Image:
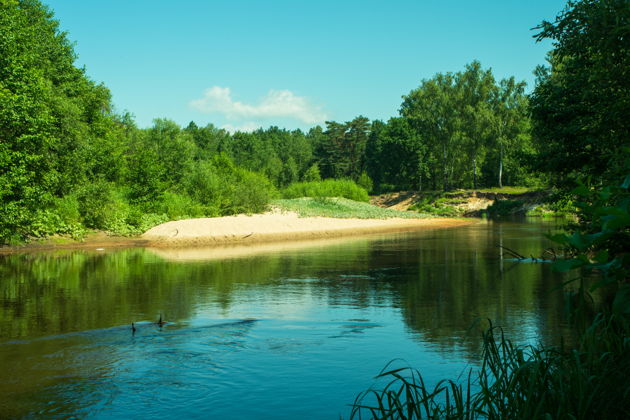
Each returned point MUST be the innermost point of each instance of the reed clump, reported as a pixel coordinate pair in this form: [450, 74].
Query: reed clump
[589, 381]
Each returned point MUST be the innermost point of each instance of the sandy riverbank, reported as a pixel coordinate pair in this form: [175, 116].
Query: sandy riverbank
[240, 230]
[272, 227]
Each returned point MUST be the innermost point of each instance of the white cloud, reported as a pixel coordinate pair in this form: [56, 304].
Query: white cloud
[277, 103]
[245, 128]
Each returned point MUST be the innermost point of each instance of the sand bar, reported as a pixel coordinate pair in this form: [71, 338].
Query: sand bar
[275, 226]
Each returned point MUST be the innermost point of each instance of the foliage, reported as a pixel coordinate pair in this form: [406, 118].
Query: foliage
[182, 206]
[601, 243]
[435, 204]
[226, 189]
[339, 208]
[341, 149]
[312, 174]
[515, 382]
[588, 380]
[327, 188]
[49, 113]
[580, 104]
[464, 124]
[365, 182]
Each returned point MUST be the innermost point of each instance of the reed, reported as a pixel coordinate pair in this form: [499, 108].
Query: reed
[588, 381]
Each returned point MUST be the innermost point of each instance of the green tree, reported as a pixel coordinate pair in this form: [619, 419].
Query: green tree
[52, 117]
[431, 110]
[581, 102]
[510, 123]
[341, 151]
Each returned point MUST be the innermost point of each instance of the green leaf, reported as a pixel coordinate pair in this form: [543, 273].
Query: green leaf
[580, 190]
[621, 304]
[601, 256]
[562, 266]
[559, 238]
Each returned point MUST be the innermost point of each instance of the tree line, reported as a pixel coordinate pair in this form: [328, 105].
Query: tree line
[69, 161]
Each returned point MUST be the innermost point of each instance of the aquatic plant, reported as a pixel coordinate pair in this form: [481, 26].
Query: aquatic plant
[516, 382]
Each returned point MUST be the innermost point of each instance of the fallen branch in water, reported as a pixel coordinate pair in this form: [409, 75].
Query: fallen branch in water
[512, 252]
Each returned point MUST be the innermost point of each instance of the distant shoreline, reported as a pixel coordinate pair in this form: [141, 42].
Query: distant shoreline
[242, 230]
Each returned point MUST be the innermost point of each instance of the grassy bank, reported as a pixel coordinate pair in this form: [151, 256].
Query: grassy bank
[340, 208]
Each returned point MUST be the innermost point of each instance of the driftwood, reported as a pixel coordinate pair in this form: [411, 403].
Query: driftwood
[512, 252]
[522, 258]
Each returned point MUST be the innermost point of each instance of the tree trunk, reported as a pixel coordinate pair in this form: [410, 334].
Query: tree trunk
[445, 168]
[474, 162]
[501, 167]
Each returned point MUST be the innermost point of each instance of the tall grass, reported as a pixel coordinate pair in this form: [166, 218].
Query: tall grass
[328, 188]
[589, 381]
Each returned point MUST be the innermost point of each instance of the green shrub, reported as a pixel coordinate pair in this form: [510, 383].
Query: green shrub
[101, 206]
[435, 205]
[312, 174]
[68, 209]
[182, 206]
[328, 188]
[365, 181]
[226, 189]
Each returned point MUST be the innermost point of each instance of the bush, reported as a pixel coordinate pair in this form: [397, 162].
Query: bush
[365, 181]
[312, 174]
[328, 188]
[436, 205]
[226, 189]
[182, 206]
[101, 206]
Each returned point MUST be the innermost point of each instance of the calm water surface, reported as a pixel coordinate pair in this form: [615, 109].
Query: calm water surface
[294, 331]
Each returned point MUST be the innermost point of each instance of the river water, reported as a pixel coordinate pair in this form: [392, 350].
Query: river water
[281, 331]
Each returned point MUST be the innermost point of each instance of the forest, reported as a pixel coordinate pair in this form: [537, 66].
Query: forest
[70, 162]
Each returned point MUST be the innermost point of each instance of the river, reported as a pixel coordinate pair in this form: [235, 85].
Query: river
[282, 331]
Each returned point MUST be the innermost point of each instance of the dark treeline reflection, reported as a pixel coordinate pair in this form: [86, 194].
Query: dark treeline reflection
[441, 280]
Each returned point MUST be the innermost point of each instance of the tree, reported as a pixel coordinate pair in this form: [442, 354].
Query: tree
[431, 110]
[475, 87]
[52, 117]
[510, 122]
[341, 149]
[581, 102]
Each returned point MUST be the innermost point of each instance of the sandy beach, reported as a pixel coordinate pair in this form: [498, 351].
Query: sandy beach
[242, 230]
[275, 226]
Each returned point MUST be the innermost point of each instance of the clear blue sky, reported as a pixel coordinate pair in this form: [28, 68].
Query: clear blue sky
[292, 63]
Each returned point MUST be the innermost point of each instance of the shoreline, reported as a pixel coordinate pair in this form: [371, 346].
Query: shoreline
[245, 230]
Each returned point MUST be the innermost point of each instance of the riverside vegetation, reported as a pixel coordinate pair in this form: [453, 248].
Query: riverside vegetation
[578, 107]
[69, 162]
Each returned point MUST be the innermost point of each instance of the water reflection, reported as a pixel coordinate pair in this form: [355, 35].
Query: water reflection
[308, 315]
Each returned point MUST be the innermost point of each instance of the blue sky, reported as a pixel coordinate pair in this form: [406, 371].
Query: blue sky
[245, 64]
